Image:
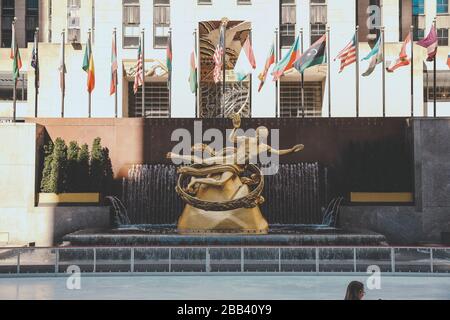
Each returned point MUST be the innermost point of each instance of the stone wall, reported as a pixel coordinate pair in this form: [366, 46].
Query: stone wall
[21, 222]
[424, 222]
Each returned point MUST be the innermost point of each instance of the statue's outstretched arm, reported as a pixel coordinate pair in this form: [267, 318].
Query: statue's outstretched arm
[184, 158]
[296, 148]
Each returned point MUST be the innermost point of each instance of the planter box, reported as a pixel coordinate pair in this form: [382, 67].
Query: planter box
[67, 198]
[387, 197]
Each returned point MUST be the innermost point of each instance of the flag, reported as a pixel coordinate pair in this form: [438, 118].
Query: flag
[193, 73]
[218, 55]
[448, 60]
[139, 76]
[313, 56]
[15, 54]
[288, 60]
[88, 66]
[431, 43]
[114, 67]
[269, 61]
[169, 57]
[347, 55]
[404, 57]
[62, 69]
[35, 61]
[245, 62]
[376, 56]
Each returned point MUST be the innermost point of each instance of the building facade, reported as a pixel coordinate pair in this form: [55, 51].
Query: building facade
[194, 24]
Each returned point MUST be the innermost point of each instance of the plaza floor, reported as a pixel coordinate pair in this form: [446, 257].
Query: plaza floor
[249, 287]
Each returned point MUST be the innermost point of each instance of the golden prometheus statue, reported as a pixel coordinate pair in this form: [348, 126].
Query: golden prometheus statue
[223, 191]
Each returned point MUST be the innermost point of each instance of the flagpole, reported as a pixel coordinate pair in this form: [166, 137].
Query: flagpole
[302, 77]
[89, 57]
[63, 76]
[251, 79]
[143, 71]
[196, 89]
[224, 54]
[434, 77]
[329, 71]
[14, 77]
[384, 73]
[412, 70]
[36, 72]
[357, 70]
[116, 80]
[277, 83]
[170, 74]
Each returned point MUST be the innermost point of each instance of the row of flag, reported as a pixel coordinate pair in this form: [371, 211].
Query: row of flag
[315, 55]
[245, 64]
[87, 65]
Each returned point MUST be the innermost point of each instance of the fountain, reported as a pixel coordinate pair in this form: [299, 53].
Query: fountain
[296, 202]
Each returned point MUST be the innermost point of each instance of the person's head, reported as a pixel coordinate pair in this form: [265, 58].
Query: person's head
[355, 291]
[262, 132]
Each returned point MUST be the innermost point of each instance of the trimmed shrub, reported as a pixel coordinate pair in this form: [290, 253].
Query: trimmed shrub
[58, 175]
[46, 172]
[83, 169]
[72, 167]
[97, 166]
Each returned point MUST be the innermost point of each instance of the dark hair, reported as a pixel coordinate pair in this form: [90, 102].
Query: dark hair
[354, 290]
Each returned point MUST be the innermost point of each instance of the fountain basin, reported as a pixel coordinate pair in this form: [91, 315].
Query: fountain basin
[278, 235]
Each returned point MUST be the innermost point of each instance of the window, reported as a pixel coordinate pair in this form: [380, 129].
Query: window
[291, 99]
[288, 21]
[131, 22]
[204, 1]
[161, 23]
[317, 31]
[73, 21]
[318, 19]
[442, 6]
[442, 86]
[156, 100]
[31, 19]
[442, 37]
[418, 7]
[419, 34]
[8, 9]
[7, 87]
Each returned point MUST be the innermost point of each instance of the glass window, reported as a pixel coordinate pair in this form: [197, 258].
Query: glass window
[288, 21]
[418, 7]
[442, 37]
[442, 86]
[442, 6]
[8, 8]
[161, 23]
[73, 20]
[31, 19]
[291, 99]
[131, 22]
[317, 30]
[156, 100]
[7, 87]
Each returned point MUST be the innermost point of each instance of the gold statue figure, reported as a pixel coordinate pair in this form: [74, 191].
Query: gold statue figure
[224, 190]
